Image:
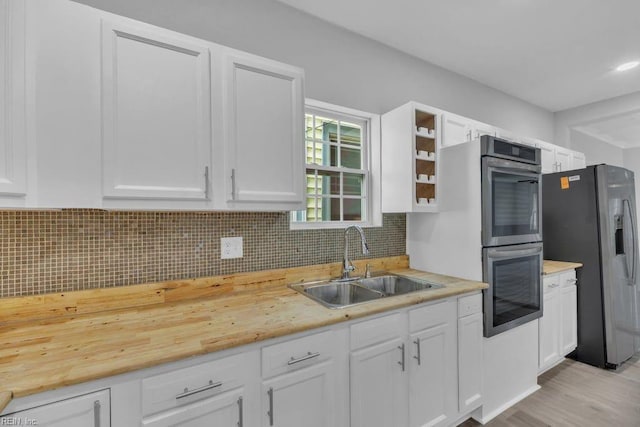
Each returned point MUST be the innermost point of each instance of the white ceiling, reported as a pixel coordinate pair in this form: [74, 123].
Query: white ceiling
[555, 54]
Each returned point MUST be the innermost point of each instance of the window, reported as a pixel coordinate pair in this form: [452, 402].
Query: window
[339, 181]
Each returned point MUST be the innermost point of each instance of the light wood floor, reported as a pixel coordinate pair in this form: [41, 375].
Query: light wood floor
[576, 394]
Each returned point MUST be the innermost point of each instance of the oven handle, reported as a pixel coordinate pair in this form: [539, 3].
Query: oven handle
[514, 167]
[511, 253]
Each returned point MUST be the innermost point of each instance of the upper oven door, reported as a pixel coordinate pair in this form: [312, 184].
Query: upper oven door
[511, 197]
[514, 296]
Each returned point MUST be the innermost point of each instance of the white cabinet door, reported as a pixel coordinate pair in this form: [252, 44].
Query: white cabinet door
[89, 410]
[455, 130]
[508, 135]
[433, 350]
[549, 332]
[300, 398]
[379, 385]
[263, 133]
[222, 410]
[578, 160]
[548, 154]
[563, 159]
[480, 129]
[569, 320]
[470, 362]
[156, 113]
[13, 157]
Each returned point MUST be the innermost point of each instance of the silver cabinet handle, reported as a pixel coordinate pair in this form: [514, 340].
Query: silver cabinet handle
[401, 363]
[96, 413]
[309, 355]
[554, 285]
[188, 392]
[270, 413]
[206, 182]
[233, 184]
[240, 421]
[418, 357]
[572, 281]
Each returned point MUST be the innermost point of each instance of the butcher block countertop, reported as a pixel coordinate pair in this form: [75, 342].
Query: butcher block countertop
[552, 267]
[55, 340]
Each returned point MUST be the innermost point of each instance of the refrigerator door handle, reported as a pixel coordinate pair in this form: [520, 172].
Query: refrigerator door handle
[632, 279]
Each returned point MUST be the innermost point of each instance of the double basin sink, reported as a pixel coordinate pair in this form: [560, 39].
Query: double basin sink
[345, 293]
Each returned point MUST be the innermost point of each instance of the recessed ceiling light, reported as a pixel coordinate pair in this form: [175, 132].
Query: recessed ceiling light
[628, 65]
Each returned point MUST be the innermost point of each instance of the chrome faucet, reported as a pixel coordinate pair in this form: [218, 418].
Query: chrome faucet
[347, 266]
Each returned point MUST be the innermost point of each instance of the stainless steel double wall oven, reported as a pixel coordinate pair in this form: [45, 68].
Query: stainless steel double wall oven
[511, 234]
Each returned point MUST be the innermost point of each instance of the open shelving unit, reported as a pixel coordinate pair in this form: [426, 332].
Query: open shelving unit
[410, 144]
[425, 158]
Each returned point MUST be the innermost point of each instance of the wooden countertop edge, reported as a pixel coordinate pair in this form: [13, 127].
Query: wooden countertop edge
[319, 317]
[5, 398]
[553, 267]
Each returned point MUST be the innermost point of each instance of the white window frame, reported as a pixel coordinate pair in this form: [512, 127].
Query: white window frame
[371, 158]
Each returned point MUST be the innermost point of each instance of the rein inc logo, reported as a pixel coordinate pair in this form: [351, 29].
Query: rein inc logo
[18, 421]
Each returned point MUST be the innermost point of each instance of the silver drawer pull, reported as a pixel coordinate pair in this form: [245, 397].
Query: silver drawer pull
[96, 413]
[309, 355]
[270, 412]
[188, 392]
[418, 357]
[572, 281]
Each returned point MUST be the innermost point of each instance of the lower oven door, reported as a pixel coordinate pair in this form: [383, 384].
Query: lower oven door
[514, 296]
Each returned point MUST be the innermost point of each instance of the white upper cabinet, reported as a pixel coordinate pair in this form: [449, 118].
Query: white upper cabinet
[577, 160]
[264, 141]
[13, 144]
[563, 159]
[455, 129]
[479, 129]
[156, 117]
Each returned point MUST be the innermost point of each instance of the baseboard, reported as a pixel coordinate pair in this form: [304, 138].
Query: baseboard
[482, 418]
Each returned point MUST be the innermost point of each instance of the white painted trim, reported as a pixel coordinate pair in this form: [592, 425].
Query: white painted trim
[372, 154]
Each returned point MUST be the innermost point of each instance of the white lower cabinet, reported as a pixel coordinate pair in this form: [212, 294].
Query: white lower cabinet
[222, 410]
[379, 385]
[569, 316]
[299, 382]
[88, 410]
[470, 362]
[301, 398]
[405, 378]
[558, 332]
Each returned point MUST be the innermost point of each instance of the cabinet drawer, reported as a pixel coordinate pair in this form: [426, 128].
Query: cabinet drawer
[188, 385]
[551, 283]
[471, 304]
[568, 278]
[298, 353]
[377, 330]
[430, 316]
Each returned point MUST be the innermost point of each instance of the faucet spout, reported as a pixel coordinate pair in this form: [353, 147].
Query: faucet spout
[347, 265]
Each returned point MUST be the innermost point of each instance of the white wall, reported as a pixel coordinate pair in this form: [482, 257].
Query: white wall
[596, 151]
[341, 67]
[564, 120]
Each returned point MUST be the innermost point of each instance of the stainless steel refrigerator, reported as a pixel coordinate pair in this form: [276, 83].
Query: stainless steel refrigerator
[589, 216]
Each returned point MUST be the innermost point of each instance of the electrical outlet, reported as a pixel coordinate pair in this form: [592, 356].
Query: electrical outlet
[230, 247]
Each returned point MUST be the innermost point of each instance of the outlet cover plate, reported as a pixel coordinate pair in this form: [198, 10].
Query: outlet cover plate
[230, 247]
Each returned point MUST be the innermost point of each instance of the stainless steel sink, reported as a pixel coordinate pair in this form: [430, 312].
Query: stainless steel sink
[396, 285]
[340, 294]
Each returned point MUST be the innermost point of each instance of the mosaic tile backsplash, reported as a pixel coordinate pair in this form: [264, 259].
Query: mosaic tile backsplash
[60, 251]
